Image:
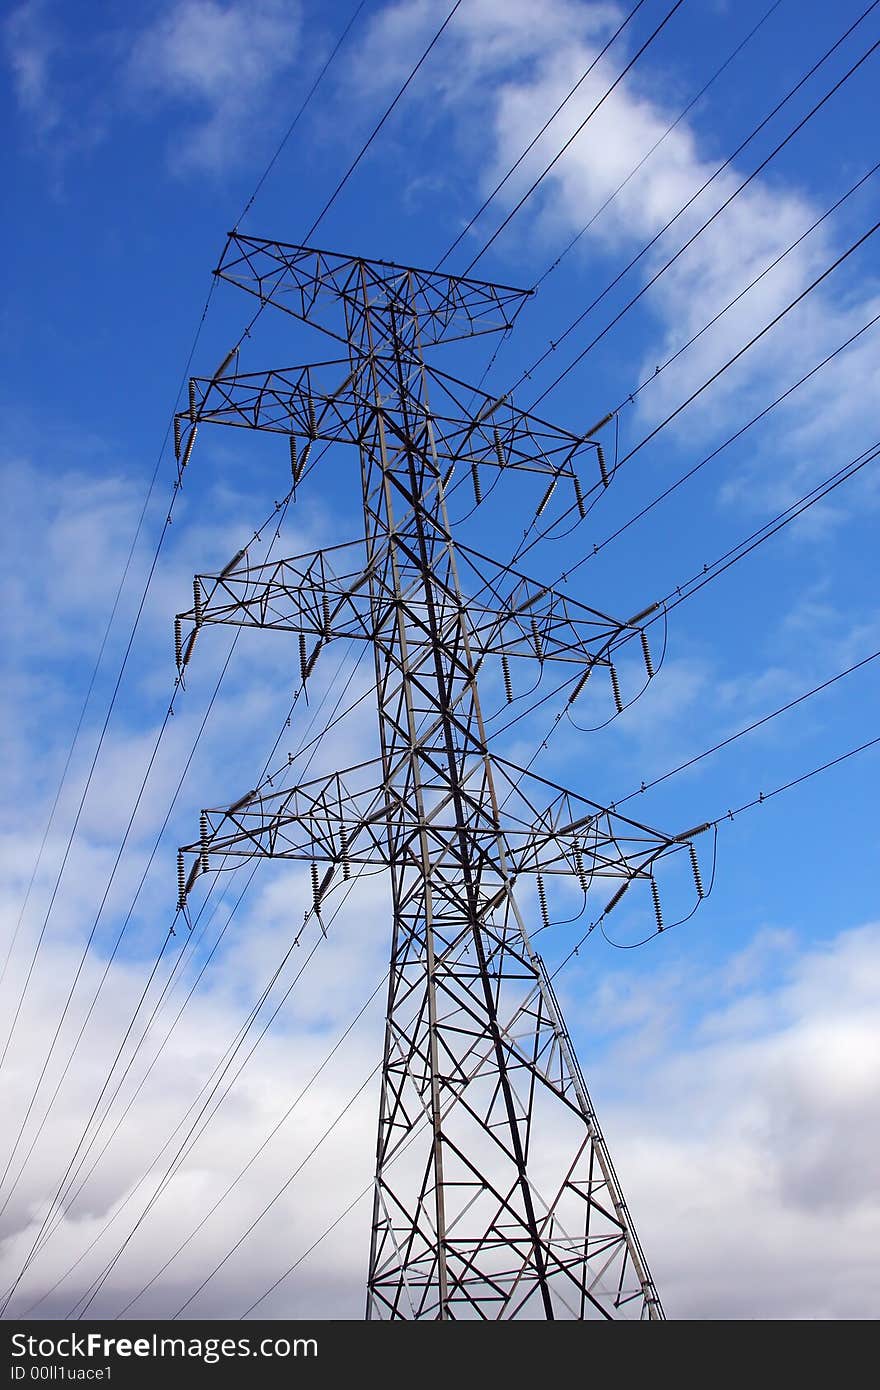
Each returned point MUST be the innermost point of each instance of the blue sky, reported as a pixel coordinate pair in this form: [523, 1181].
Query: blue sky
[734, 1061]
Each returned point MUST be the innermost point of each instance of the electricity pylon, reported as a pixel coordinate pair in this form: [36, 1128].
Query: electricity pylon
[495, 1195]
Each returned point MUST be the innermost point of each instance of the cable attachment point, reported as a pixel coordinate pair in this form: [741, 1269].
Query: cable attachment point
[310, 664]
[475, 479]
[646, 653]
[580, 685]
[187, 452]
[490, 407]
[655, 895]
[343, 853]
[303, 459]
[508, 683]
[542, 899]
[600, 425]
[181, 882]
[316, 887]
[578, 856]
[613, 901]
[546, 498]
[188, 649]
[579, 497]
[615, 686]
[221, 370]
[233, 563]
[695, 869]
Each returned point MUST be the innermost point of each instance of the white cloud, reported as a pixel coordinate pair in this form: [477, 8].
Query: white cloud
[30, 45]
[503, 77]
[746, 1141]
[745, 1117]
[736, 1087]
[213, 64]
[220, 60]
[742, 1105]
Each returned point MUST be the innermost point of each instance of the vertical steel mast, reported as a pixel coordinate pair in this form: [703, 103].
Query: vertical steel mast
[495, 1196]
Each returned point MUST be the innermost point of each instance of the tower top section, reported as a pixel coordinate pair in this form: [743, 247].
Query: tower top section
[330, 291]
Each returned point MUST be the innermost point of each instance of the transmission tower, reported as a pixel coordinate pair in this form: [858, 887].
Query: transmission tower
[495, 1195]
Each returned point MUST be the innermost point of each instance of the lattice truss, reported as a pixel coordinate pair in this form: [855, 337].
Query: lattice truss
[495, 1196]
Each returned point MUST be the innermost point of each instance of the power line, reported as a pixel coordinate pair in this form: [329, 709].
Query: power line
[288, 1181]
[710, 572]
[708, 222]
[303, 747]
[47, 1233]
[104, 1147]
[732, 438]
[323, 1236]
[300, 112]
[769, 529]
[156, 843]
[771, 265]
[257, 1152]
[189, 1141]
[280, 508]
[111, 706]
[632, 173]
[657, 143]
[756, 338]
[555, 343]
[270, 1204]
[535, 138]
[536, 183]
[523, 549]
[117, 1255]
[378, 126]
[260, 182]
[729, 815]
[630, 397]
[191, 1138]
[213, 1086]
[749, 728]
[60, 1216]
[763, 797]
[276, 516]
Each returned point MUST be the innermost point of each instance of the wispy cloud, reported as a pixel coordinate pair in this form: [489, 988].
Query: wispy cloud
[514, 73]
[30, 44]
[217, 61]
[210, 66]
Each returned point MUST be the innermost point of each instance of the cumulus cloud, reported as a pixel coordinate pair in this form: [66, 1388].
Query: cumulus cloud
[742, 1104]
[748, 1130]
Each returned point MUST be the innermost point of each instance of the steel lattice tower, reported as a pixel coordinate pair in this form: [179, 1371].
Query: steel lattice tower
[495, 1196]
